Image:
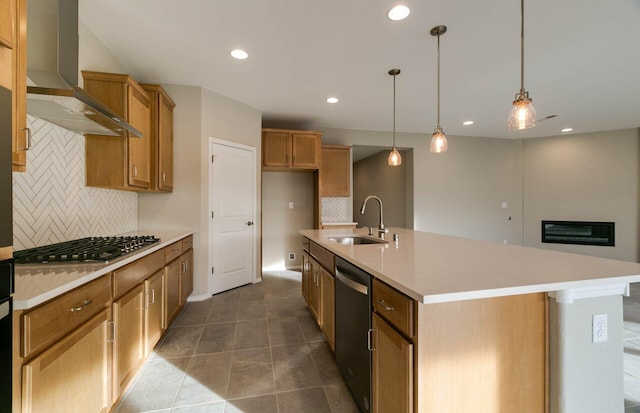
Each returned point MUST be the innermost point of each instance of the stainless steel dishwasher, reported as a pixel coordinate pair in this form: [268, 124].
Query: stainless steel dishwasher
[353, 329]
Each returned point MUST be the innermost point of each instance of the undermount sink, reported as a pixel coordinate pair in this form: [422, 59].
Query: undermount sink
[357, 240]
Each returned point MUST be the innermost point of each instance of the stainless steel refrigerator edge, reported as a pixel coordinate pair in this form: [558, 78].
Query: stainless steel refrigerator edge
[6, 252]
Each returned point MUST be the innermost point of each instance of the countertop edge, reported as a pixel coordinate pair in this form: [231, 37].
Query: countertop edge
[30, 302]
[462, 294]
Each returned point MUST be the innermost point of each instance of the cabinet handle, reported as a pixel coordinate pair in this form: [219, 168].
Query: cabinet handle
[183, 264]
[386, 307]
[113, 331]
[370, 340]
[135, 171]
[153, 296]
[28, 146]
[164, 177]
[82, 306]
[250, 223]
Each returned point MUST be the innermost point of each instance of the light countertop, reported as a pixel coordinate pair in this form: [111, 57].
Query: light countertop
[37, 283]
[434, 268]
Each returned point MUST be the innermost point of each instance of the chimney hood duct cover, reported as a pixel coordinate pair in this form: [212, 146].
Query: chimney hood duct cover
[52, 71]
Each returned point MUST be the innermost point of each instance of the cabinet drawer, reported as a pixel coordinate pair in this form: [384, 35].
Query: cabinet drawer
[51, 321]
[187, 243]
[172, 252]
[395, 307]
[324, 257]
[128, 276]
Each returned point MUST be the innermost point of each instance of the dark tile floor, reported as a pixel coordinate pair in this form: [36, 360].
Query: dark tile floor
[254, 349]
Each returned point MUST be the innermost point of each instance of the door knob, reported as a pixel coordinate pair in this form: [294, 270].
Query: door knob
[250, 223]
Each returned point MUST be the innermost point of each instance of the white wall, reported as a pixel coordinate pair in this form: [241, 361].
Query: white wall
[280, 234]
[460, 192]
[199, 115]
[372, 176]
[585, 377]
[584, 177]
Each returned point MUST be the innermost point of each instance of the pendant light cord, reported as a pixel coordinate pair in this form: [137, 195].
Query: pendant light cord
[394, 111]
[438, 82]
[522, 46]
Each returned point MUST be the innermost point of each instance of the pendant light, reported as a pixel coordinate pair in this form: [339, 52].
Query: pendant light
[438, 141]
[394, 158]
[523, 114]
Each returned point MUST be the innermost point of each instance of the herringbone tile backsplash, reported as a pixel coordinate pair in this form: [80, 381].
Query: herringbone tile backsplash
[51, 202]
[334, 209]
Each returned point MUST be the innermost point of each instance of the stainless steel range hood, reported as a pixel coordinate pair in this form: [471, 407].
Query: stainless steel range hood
[52, 72]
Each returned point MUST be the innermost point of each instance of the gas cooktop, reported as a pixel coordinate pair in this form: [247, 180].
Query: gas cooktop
[90, 249]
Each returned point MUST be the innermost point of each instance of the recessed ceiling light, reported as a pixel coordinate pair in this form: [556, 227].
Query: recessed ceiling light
[399, 12]
[333, 100]
[565, 130]
[467, 122]
[239, 54]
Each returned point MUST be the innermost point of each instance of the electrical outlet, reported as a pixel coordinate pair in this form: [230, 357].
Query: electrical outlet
[292, 256]
[600, 334]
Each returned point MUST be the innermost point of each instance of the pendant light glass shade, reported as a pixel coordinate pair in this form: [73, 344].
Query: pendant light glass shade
[523, 114]
[394, 158]
[439, 140]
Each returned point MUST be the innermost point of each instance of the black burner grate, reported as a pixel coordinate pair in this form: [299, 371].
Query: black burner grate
[90, 249]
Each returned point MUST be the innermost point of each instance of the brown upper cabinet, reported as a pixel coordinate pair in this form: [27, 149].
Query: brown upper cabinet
[335, 171]
[115, 162]
[13, 75]
[161, 138]
[290, 150]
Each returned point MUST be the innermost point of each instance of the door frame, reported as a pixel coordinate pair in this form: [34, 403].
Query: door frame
[254, 208]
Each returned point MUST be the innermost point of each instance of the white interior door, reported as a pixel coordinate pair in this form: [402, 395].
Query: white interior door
[233, 205]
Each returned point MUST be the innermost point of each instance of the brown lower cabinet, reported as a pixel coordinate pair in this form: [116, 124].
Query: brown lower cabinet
[154, 320]
[392, 370]
[72, 376]
[128, 343]
[318, 289]
[328, 306]
[78, 352]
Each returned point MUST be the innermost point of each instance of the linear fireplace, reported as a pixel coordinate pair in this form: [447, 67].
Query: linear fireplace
[579, 232]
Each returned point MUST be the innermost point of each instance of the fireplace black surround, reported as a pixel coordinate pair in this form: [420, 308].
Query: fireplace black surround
[579, 232]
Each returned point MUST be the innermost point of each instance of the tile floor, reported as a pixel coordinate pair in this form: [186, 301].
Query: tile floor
[254, 349]
[632, 350]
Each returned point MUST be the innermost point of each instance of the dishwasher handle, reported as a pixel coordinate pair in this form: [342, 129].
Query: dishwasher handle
[354, 285]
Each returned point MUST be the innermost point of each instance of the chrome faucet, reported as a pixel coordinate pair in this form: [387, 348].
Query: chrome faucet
[381, 229]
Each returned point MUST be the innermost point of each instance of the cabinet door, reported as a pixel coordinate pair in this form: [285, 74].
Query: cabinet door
[139, 116]
[328, 299]
[186, 276]
[165, 143]
[73, 375]
[392, 370]
[306, 277]
[276, 149]
[154, 320]
[6, 23]
[335, 171]
[21, 141]
[128, 348]
[314, 293]
[172, 271]
[305, 150]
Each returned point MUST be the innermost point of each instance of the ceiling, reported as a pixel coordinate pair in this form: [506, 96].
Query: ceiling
[582, 59]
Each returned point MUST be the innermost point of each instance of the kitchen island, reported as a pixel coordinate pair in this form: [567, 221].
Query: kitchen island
[494, 324]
